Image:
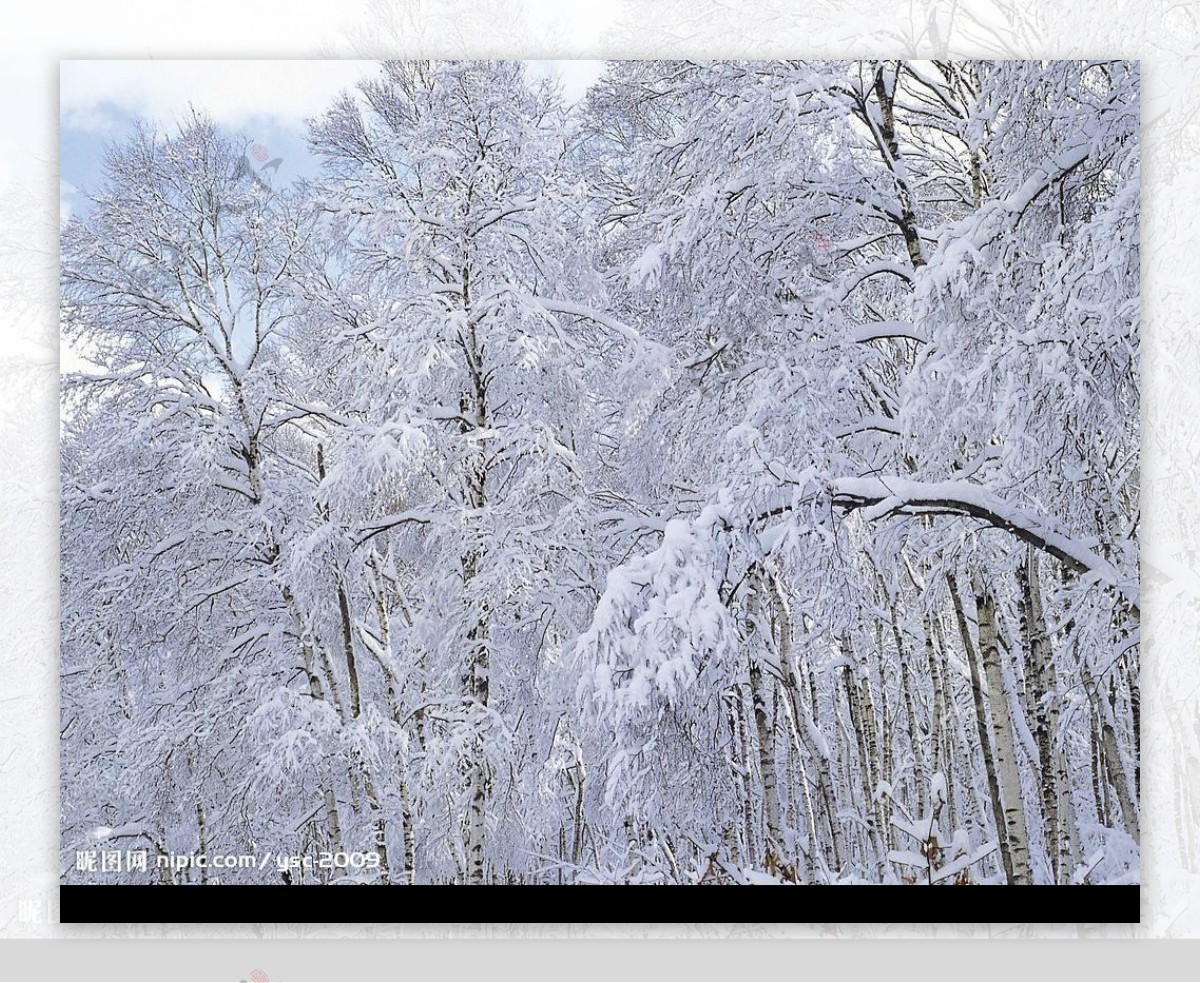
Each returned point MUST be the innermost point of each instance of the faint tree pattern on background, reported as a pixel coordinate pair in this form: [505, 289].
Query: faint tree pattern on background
[1166, 38]
[427, 29]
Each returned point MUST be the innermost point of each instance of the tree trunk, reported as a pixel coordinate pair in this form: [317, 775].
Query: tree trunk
[774, 849]
[738, 763]
[1114, 763]
[577, 837]
[920, 776]
[1044, 703]
[202, 825]
[1007, 764]
[475, 417]
[939, 738]
[804, 726]
[981, 724]
[317, 692]
[358, 761]
[862, 722]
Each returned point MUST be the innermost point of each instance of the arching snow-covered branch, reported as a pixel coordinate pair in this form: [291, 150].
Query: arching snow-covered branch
[886, 495]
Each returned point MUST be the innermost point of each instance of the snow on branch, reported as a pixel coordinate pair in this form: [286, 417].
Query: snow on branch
[587, 313]
[880, 330]
[881, 496]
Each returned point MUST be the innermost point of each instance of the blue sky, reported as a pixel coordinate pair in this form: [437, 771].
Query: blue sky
[266, 102]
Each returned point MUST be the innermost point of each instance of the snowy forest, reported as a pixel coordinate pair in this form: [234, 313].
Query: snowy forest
[730, 477]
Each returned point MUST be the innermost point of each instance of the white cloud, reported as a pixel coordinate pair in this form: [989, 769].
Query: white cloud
[576, 75]
[575, 28]
[232, 92]
[65, 190]
[94, 95]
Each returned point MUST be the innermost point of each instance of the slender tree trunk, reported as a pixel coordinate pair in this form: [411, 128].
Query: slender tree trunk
[981, 723]
[804, 725]
[880, 755]
[1114, 764]
[764, 704]
[738, 763]
[1044, 703]
[478, 692]
[317, 692]
[862, 721]
[977, 800]
[1099, 787]
[475, 418]
[939, 738]
[920, 778]
[387, 664]
[577, 837]
[202, 826]
[1007, 764]
[883, 128]
[1066, 810]
[348, 650]
[410, 843]
[1132, 681]
[360, 767]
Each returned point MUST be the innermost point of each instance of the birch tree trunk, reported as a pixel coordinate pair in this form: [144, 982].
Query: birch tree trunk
[981, 725]
[942, 758]
[905, 682]
[1007, 766]
[756, 642]
[1044, 703]
[738, 760]
[202, 826]
[476, 417]
[577, 835]
[317, 692]
[1114, 773]
[360, 770]
[804, 724]
[862, 721]
[383, 655]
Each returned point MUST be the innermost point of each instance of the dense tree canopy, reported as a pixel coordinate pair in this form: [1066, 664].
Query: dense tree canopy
[732, 477]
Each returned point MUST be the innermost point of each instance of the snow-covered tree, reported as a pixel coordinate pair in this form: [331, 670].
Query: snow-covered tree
[730, 478]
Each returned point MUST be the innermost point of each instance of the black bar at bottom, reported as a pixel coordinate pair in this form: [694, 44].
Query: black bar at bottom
[608, 904]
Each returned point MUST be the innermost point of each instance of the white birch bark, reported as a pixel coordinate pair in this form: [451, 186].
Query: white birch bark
[764, 705]
[1007, 766]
